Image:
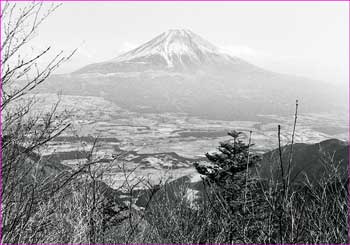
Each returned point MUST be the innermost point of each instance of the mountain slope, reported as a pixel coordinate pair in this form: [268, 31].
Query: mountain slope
[178, 71]
[313, 160]
[173, 50]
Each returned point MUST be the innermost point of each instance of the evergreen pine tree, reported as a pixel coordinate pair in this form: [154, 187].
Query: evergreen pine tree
[233, 158]
[232, 192]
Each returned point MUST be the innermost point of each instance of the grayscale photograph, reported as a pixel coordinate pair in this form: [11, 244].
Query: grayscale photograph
[150, 122]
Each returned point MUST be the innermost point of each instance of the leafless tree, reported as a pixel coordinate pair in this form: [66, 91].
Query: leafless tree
[24, 186]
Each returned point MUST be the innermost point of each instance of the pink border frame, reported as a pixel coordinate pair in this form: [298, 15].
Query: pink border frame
[179, 1]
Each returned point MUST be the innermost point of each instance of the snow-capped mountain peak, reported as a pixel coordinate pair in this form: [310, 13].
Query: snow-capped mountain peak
[176, 50]
[176, 47]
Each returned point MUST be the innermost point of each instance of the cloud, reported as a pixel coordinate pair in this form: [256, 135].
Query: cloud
[126, 46]
[240, 51]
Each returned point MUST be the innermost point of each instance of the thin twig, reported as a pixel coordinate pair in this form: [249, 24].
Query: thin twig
[246, 173]
[292, 144]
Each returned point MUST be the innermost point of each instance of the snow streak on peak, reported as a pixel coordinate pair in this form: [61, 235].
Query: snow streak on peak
[175, 47]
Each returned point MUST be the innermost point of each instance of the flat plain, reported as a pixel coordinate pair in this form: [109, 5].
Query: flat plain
[163, 146]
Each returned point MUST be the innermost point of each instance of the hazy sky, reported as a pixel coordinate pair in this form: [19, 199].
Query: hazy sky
[302, 38]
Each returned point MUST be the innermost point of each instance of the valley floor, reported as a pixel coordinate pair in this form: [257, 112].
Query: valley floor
[162, 146]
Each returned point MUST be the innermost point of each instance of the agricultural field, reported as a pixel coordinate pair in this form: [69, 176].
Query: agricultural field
[164, 146]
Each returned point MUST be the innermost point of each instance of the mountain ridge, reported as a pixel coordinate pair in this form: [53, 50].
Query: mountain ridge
[173, 50]
[164, 76]
[314, 160]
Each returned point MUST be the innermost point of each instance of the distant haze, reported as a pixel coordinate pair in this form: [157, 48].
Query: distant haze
[299, 38]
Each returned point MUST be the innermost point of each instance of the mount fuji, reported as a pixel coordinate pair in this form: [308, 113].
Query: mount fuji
[173, 50]
[179, 71]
